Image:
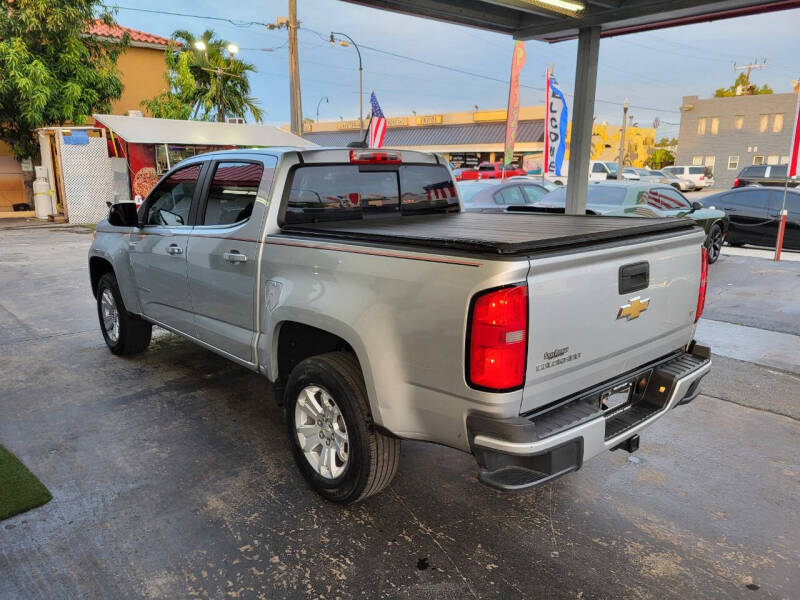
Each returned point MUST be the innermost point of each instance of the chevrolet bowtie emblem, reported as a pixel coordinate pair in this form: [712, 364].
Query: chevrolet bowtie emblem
[633, 308]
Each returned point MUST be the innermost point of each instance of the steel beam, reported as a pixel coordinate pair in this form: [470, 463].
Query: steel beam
[580, 141]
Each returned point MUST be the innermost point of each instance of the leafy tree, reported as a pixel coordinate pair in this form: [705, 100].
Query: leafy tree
[667, 142]
[204, 83]
[51, 73]
[741, 83]
[660, 157]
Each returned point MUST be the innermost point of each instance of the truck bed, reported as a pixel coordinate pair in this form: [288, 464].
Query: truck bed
[499, 233]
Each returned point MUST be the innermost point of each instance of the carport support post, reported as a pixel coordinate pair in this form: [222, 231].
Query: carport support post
[580, 140]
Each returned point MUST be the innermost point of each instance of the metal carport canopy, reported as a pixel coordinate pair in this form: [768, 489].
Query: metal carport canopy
[554, 21]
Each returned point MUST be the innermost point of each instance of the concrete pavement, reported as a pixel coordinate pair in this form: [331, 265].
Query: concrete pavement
[171, 476]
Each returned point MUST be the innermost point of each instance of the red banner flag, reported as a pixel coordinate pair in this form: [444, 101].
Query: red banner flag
[795, 149]
[512, 116]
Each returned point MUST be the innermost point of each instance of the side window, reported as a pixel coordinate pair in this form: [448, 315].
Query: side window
[757, 199]
[599, 168]
[533, 193]
[232, 192]
[169, 203]
[664, 199]
[512, 195]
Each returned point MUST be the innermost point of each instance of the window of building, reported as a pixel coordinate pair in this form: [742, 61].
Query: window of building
[232, 193]
[738, 122]
[762, 127]
[777, 123]
[710, 162]
[697, 160]
[701, 126]
[714, 125]
[784, 160]
[733, 162]
[772, 159]
[758, 160]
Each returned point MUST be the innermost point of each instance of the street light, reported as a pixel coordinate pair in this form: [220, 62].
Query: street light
[360, 86]
[625, 106]
[318, 103]
[199, 45]
[233, 48]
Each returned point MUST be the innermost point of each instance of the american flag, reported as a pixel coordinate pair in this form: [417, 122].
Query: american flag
[377, 125]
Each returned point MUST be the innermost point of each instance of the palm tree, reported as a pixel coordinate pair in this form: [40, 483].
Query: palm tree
[222, 87]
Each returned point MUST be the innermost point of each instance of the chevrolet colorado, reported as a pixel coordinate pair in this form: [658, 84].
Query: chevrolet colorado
[353, 280]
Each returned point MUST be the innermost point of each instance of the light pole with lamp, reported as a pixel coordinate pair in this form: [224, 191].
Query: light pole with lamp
[360, 87]
[320, 102]
[625, 106]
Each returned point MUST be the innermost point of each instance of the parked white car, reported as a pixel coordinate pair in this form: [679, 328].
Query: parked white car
[600, 170]
[701, 176]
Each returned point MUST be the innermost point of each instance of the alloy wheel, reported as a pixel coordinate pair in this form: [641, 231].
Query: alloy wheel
[110, 313]
[321, 432]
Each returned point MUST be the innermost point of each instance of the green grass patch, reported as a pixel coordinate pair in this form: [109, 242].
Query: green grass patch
[20, 490]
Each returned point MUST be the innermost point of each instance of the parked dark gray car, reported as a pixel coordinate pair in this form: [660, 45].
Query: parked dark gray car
[754, 214]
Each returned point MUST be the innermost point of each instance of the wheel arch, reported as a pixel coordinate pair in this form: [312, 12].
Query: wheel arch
[98, 266]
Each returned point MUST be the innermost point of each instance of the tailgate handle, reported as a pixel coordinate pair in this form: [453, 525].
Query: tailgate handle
[634, 277]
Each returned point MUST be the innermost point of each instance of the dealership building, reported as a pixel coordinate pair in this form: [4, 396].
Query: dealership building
[469, 138]
[729, 133]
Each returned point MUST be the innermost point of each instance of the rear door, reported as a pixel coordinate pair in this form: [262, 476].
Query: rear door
[586, 327]
[158, 251]
[224, 250]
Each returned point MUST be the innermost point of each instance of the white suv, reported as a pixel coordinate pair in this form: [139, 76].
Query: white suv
[701, 176]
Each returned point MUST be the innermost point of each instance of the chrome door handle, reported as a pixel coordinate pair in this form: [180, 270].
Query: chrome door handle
[174, 250]
[235, 257]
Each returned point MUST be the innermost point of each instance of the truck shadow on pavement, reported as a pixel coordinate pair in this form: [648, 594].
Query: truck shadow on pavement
[172, 477]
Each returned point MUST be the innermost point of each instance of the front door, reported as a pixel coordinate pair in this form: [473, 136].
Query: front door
[223, 254]
[158, 250]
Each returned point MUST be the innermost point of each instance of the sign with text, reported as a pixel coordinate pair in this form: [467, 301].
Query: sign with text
[512, 121]
[429, 120]
[555, 126]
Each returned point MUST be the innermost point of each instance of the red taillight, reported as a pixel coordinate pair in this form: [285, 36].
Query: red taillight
[736, 182]
[702, 177]
[701, 295]
[498, 335]
[372, 158]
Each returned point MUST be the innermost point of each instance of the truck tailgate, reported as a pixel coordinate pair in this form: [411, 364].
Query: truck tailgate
[577, 336]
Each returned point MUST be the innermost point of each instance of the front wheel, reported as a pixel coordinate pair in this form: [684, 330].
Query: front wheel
[713, 244]
[123, 332]
[341, 454]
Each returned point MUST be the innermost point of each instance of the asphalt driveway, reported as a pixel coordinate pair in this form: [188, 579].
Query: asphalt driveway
[171, 477]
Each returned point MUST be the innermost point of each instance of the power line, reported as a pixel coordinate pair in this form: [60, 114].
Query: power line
[379, 51]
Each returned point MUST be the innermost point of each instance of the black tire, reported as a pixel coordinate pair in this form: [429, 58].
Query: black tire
[134, 333]
[372, 456]
[714, 240]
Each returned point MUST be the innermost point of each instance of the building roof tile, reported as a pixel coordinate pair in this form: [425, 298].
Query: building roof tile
[100, 29]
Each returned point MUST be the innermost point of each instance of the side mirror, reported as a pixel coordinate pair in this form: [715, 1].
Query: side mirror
[696, 205]
[123, 214]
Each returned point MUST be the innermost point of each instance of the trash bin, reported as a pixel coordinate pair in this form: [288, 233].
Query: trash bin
[41, 198]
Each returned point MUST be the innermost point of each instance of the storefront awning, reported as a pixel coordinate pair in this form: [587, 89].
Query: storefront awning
[144, 130]
[443, 135]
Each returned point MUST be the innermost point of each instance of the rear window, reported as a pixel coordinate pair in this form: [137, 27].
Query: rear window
[753, 172]
[353, 192]
[488, 167]
[778, 171]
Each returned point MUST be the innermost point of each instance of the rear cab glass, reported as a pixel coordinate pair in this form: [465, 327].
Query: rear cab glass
[345, 192]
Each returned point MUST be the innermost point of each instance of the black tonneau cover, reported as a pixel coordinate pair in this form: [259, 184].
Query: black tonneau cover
[497, 233]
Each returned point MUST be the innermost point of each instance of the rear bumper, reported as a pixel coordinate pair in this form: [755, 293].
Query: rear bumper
[529, 450]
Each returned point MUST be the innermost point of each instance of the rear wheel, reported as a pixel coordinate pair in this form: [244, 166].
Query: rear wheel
[123, 332]
[334, 441]
[713, 244]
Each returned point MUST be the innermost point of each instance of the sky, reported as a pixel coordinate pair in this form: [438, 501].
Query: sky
[653, 70]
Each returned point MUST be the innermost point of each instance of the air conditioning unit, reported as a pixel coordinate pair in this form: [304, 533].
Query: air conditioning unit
[238, 120]
[134, 113]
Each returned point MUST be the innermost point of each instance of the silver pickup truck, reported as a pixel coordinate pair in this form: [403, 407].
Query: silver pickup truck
[380, 311]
